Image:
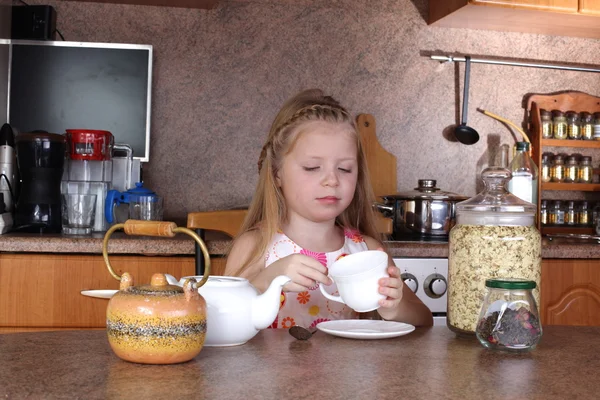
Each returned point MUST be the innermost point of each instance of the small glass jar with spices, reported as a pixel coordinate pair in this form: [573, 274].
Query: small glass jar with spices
[596, 130]
[557, 172]
[559, 125]
[584, 214]
[587, 126]
[546, 173]
[544, 212]
[572, 170]
[509, 318]
[570, 213]
[556, 215]
[586, 171]
[573, 128]
[546, 117]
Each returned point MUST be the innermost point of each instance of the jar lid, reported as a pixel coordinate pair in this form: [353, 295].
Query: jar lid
[545, 113]
[495, 199]
[509, 283]
[557, 113]
[572, 114]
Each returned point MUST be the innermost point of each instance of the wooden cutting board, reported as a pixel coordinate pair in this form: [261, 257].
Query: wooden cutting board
[382, 164]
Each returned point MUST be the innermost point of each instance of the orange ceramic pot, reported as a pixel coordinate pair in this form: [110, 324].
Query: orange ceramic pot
[157, 323]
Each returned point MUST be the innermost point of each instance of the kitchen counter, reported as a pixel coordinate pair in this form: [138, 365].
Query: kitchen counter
[218, 244]
[429, 362]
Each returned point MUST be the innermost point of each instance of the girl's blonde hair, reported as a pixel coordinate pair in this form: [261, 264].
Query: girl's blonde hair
[268, 211]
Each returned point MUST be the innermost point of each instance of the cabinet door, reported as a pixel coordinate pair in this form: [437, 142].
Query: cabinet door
[589, 7]
[570, 292]
[44, 290]
[545, 5]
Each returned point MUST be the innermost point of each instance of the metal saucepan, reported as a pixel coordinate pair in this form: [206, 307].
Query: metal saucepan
[426, 212]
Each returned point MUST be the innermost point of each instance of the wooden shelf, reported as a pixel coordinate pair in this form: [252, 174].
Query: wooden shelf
[567, 229]
[588, 144]
[581, 187]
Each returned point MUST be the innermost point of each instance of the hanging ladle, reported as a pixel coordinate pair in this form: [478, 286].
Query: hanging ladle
[464, 133]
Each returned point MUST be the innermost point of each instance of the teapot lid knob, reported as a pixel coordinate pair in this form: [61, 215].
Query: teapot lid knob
[158, 280]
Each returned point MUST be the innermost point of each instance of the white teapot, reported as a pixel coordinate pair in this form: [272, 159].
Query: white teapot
[236, 311]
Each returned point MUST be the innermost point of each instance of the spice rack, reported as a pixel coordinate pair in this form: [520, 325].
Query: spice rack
[565, 101]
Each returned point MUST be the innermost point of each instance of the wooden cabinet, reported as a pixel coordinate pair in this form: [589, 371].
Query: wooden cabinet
[570, 292]
[43, 290]
[205, 4]
[567, 101]
[589, 7]
[549, 17]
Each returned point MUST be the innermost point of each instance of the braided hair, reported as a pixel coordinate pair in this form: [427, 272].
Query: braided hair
[268, 210]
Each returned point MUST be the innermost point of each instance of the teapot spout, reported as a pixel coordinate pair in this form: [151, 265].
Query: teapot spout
[266, 306]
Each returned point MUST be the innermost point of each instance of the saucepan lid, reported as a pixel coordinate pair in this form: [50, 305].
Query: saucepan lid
[426, 190]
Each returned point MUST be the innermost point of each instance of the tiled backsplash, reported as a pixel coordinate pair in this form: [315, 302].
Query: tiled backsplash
[221, 75]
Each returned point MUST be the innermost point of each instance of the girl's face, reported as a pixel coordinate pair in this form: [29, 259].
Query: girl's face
[318, 177]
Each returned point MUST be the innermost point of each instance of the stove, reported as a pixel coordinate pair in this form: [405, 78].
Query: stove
[428, 279]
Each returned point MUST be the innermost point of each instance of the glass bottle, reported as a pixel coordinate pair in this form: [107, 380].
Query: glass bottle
[556, 216]
[547, 159]
[587, 126]
[509, 318]
[494, 236]
[586, 170]
[570, 213]
[559, 125]
[584, 214]
[573, 128]
[544, 212]
[524, 174]
[572, 170]
[557, 173]
[546, 118]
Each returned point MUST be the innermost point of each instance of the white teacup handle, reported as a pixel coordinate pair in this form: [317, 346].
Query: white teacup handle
[330, 296]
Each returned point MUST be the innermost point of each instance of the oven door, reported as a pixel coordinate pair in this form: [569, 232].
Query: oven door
[428, 278]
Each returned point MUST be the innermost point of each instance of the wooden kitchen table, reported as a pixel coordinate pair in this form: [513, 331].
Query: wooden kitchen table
[427, 363]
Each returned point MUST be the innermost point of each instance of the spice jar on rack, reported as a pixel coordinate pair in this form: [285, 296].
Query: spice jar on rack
[547, 159]
[570, 213]
[596, 134]
[586, 170]
[587, 126]
[546, 118]
[584, 214]
[559, 125]
[544, 212]
[557, 173]
[573, 128]
[556, 215]
[501, 227]
[572, 170]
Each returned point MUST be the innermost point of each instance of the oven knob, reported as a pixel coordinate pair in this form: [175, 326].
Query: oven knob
[435, 286]
[411, 281]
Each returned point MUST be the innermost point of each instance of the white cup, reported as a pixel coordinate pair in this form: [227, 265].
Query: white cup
[357, 278]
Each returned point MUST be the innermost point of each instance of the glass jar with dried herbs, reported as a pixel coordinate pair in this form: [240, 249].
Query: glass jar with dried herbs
[586, 171]
[557, 173]
[559, 125]
[573, 128]
[587, 126]
[546, 118]
[547, 159]
[509, 318]
[495, 235]
[572, 170]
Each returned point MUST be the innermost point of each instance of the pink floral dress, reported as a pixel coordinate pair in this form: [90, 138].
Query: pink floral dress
[311, 307]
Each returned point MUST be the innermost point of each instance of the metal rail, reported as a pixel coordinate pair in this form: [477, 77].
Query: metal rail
[514, 63]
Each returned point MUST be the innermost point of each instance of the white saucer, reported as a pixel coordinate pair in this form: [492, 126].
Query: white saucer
[100, 294]
[365, 328]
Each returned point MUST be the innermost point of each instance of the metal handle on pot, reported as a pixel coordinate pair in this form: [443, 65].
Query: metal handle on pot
[385, 209]
[154, 228]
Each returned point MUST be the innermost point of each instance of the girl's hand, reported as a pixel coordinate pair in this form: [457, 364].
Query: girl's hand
[305, 272]
[391, 287]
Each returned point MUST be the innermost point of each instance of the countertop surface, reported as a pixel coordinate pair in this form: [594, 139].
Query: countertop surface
[427, 363]
[218, 244]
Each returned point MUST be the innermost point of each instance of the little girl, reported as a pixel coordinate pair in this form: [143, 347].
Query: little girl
[313, 205]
